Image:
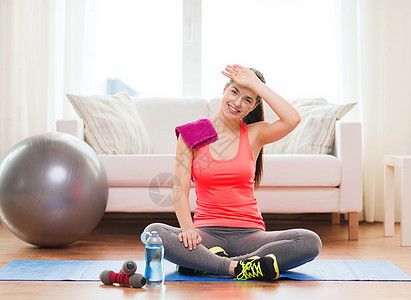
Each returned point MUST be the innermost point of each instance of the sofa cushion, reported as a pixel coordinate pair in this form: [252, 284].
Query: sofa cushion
[316, 131]
[139, 170]
[112, 124]
[162, 115]
[318, 170]
[296, 200]
[139, 199]
[279, 170]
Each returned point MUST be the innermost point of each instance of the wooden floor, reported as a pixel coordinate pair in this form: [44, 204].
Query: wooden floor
[117, 239]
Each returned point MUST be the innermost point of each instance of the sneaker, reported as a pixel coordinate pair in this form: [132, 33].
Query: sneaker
[187, 271]
[265, 268]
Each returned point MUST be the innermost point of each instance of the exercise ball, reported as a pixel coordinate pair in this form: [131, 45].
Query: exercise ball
[53, 189]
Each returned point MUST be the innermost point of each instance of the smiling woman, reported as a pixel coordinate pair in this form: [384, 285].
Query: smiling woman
[242, 100]
[227, 235]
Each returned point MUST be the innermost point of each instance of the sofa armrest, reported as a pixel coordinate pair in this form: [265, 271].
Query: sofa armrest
[348, 149]
[74, 127]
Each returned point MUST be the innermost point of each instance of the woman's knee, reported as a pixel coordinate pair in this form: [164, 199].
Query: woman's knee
[163, 230]
[311, 240]
[159, 227]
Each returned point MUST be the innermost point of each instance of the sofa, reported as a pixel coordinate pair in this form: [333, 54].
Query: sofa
[291, 183]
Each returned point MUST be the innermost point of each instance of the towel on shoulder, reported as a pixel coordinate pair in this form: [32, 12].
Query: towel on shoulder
[198, 133]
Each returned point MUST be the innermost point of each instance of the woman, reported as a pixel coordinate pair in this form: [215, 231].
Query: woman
[227, 235]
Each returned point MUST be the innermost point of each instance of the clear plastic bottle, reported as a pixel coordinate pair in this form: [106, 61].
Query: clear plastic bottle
[154, 258]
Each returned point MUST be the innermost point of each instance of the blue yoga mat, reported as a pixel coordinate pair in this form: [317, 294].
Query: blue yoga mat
[89, 270]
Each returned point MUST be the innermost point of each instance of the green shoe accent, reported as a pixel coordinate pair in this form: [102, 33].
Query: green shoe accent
[265, 268]
[219, 251]
[188, 271]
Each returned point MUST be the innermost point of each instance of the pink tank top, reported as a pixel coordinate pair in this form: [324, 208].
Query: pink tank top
[225, 188]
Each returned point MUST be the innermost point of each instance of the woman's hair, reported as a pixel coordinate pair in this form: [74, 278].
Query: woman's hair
[256, 115]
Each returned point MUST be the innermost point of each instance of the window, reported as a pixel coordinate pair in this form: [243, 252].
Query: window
[293, 43]
[144, 46]
[138, 47]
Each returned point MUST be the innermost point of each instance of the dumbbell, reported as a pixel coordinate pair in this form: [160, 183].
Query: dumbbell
[125, 277]
[129, 267]
[135, 280]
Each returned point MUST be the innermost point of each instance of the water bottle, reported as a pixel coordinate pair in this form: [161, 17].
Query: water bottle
[154, 257]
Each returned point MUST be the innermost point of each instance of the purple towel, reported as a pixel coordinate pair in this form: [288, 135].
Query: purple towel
[198, 133]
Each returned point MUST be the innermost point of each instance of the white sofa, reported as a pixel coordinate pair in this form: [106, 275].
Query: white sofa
[291, 183]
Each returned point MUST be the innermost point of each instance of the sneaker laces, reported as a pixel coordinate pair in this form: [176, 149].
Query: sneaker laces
[250, 269]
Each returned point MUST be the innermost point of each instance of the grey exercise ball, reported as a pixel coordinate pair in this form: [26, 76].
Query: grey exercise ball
[53, 189]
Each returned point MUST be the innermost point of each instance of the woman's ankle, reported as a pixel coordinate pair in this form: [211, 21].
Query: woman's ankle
[233, 264]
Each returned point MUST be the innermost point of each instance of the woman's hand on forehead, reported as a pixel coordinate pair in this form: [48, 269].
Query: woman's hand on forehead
[241, 75]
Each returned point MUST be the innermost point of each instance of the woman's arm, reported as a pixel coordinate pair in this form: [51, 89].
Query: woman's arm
[288, 115]
[181, 190]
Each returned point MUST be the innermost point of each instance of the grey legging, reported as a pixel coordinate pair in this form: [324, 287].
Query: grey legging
[292, 247]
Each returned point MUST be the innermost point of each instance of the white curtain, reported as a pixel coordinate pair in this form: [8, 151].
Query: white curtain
[42, 48]
[78, 51]
[376, 64]
[26, 59]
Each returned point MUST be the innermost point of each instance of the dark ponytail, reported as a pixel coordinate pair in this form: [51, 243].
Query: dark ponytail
[257, 115]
